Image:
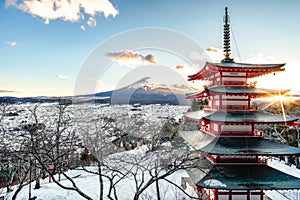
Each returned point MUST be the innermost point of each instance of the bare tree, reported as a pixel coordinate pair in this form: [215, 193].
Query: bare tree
[52, 142]
[14, 157]
[104, 136]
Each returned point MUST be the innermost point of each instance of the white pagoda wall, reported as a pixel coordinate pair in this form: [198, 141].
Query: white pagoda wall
[234, 103]
[236, 128]
[243, 74]
[210, 194]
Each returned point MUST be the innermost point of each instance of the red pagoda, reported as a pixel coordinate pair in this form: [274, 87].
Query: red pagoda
[232, 150]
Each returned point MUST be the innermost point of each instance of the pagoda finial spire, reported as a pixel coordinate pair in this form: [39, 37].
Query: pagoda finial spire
[226, 37]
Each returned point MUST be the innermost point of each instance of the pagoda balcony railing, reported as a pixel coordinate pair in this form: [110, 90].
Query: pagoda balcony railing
[255, 133]
[230, 107]
[239, 83]
[236, 133]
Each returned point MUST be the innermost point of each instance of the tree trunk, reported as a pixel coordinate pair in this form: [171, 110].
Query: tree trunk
[100, 182]
[37, 184]
[136, 196]
[157, 189]
[14, 197]
[8, 188]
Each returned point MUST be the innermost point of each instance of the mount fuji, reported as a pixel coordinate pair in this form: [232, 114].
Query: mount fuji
[142, 91]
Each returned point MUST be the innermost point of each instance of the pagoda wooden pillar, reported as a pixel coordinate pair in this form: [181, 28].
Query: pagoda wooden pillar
[230, 195]
[252, 129]
[261, 195]
[248, 194]
[215, 194]
[249, 99]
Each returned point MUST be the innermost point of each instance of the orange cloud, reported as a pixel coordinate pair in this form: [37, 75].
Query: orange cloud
[212, 49]
[179, 67]
[130, 57]
[7, 91]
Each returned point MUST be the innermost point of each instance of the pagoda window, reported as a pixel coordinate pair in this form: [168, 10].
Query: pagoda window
[216, 127]
[216, 104]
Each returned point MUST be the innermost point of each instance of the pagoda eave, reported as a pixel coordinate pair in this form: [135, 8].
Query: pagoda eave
[257, 146]
[254, 117]
[245, 90]
[191, 118]
[251, 70]
[248, 177]
[197, 95]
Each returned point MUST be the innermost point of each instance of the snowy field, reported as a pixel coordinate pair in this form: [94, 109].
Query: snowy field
[284, 194]
[90, 185]
[82, 116]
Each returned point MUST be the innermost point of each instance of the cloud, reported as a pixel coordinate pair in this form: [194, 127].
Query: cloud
[11, 43]
[213, 49]
[260, 58]
[7, 91]
[178, 67]
[67, 10]
[215, 54]
[10, 3]
[150, 58]
[131, 58]
[92, 22]
[60, 76]
[82, 27]
[185, 69]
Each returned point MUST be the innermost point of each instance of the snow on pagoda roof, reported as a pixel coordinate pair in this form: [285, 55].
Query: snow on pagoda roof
[248, 146]
[248, 177]
[253, 70]
[257, 117]
[236, 90]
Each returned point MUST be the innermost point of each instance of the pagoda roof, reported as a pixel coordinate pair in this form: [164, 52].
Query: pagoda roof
[245, 90]
[247, 146]
[247, 65]
[199, 94]
[252, 70]
[210, 144]
[235, 90]
[197, 139]
[196, 115]
[248, 177]
[244, 116]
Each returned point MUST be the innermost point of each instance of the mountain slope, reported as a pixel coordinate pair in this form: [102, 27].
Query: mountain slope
[142, 91]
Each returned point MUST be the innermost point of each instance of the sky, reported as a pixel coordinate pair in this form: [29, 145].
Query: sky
[46, 46]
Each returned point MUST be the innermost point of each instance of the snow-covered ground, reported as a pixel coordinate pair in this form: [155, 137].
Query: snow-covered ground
[151, 115]
[283, 194]
[18, 115]
[89, 184]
